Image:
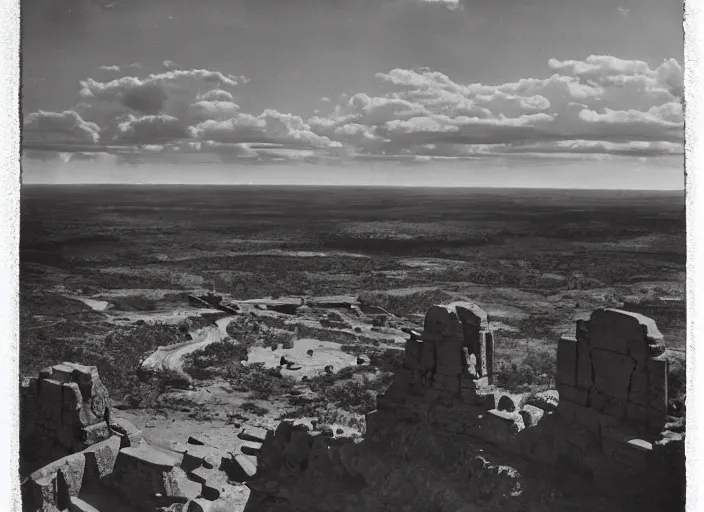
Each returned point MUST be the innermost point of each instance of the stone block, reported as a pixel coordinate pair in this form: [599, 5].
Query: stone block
[199, 475]
[531, 415]
[78, 505]
[638, 392]
[427, 356]
[636, 413]
[69, 482]
[72, 398]
[657, 383]
[546, 400]
[656, 420]
[638, 350]
[412, 354]
[471, 314]
[130, 435]
[585, 417]
[572, 394]
[51, 391]
[612, 372]
[504, 424]
[250, 448]
[101, 457]
[625, 449]
[46, 373]
[615, 407]
[253, 434]
[449, 357]
[66, 436]
[61, 373]
[147, 456]
[86, 417]
[614, 330]
[442, 323]
[40, 492]
[567, 361]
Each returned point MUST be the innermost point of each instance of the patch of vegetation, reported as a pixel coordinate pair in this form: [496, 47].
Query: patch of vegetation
[407, 304]
[214, 359]
[261, 383]
[535, 372]
[253, 408]
[149, 385]
[343, 391]
[79, 335]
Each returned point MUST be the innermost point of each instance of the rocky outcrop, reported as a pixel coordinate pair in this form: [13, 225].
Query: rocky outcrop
[442, 438]
[62, 411]
[91, 454]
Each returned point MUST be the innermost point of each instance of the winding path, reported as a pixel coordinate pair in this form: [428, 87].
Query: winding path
[170, 357]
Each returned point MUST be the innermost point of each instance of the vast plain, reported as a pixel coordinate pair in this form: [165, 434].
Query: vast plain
[106, 272]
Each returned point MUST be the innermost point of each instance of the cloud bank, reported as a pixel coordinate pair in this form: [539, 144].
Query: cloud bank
[600, 106]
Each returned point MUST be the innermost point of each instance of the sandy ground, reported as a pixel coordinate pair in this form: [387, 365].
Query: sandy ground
[325, 353]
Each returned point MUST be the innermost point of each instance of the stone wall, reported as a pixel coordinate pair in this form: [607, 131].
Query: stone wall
[62, 411]
[600, 442]
[615, 366]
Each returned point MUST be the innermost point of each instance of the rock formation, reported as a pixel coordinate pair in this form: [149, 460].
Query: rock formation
[89, 453]
[443, 439]
[62, 411]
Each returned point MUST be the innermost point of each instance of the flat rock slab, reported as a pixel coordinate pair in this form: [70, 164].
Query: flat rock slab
[250, 448]
[150, 456]
[78, 505]
[257, 435]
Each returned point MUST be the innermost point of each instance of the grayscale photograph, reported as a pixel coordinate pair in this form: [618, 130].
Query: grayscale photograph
[352, 256]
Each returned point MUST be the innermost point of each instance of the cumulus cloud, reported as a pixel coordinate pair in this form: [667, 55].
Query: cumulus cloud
[214, 109]
[169, 64]
[116, 69]
[151, 129]
[450, 4]
[215, 95]
[65, 126]
[149, 95]
[599, 98]
[599, 105]
[269, 126]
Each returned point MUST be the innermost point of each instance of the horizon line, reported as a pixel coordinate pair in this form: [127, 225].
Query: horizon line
[307, 185]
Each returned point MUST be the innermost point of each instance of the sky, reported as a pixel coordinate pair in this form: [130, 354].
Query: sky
[529, 93]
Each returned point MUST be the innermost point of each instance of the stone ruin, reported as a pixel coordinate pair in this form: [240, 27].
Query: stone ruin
[443, 438]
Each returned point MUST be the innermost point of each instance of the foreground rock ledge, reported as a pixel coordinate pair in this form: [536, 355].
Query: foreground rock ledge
[442, 438]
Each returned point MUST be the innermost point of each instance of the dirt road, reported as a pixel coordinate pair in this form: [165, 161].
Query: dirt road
[171, 356]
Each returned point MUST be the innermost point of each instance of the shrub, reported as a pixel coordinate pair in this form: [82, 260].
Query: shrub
[352, 395]
[214, 359]
[536, 370]
[254, 409]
